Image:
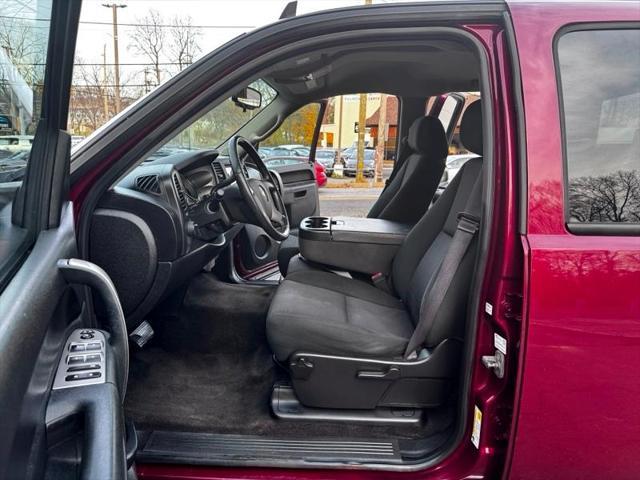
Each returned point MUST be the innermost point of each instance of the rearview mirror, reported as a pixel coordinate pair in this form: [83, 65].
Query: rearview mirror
[248, 98]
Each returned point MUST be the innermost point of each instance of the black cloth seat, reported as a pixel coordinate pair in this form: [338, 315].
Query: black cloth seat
[409, 194]
[317, 311]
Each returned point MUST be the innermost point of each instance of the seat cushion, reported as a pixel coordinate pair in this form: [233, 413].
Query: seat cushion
[321, 312]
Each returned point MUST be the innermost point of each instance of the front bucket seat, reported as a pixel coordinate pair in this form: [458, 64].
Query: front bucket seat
[318, 316]
[411, 190]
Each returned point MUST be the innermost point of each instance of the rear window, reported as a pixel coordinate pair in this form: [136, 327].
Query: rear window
[600, 86]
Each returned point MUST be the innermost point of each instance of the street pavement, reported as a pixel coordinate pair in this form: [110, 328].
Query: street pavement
[346, 201]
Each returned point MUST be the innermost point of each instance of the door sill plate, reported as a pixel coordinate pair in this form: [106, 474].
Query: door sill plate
[217, 449]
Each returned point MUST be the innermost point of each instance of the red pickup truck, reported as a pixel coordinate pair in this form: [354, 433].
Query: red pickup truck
[489, 329]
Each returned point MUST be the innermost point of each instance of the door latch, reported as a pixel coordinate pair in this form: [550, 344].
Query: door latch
[495, 362]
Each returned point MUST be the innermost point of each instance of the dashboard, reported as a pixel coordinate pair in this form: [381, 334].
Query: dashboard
[161, 224]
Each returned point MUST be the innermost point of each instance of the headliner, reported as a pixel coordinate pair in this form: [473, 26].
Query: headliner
[418, 69]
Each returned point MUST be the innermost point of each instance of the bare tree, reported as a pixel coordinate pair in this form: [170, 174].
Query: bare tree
[606, 198]
[184, 41]
[149, 40]
[23, 49]
[91, 101]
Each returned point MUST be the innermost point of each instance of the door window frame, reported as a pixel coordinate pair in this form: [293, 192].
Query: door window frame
[584, 228]
[37, 203]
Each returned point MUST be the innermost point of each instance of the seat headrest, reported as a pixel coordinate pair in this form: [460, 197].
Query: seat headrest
[427, 137]
[471, 128]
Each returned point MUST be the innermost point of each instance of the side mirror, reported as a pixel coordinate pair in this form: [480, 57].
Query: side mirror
[248, 98]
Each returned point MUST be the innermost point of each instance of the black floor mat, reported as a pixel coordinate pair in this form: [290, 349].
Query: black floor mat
[210, 370]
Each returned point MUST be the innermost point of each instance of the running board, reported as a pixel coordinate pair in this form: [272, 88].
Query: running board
[285, 405]
[215, 449]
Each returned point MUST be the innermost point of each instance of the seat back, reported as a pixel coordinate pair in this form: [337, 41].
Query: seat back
[418, 261]
[411, 190]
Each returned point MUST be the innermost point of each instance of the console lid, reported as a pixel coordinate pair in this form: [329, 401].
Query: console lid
[365, 245]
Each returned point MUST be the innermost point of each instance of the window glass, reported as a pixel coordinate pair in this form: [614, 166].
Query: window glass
[24, 34]
[216, 126]
[600, 82]
[294, 136]
[447, 111]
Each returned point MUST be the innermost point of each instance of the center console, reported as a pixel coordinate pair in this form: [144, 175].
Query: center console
[365, 245]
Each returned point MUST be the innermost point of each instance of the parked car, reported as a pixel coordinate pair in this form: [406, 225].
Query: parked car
[350, 156]
[10, 144]
[327, 157]
[453, 164]
[492, 335]
[290, 150]
[264, 152]
[321, 173]
[13, 166]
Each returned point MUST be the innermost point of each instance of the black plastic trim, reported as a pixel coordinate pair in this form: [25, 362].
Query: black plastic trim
[242, 450]
[578, 228]
[521, 133]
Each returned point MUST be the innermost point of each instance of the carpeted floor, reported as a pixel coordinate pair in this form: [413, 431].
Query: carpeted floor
[209, 369]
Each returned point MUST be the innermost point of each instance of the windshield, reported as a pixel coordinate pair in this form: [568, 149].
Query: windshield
[24, 31]
[217, 125]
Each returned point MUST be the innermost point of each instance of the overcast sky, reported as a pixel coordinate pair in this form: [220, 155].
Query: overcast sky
[219, 21]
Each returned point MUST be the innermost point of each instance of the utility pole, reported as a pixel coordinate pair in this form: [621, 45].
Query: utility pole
[362, 120]
[382, 130]
[104, 82]
[339, 147]
[116, 58]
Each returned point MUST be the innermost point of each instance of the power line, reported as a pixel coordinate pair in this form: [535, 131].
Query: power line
[108, 24]
[147, 64]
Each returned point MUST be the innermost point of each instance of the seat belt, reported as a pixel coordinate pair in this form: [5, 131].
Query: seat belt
[468, 225]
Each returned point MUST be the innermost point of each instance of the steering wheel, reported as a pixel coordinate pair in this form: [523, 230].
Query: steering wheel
[261, 194]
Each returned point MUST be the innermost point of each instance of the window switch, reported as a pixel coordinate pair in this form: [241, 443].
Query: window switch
[82, 368]
[95, 357]
[77, 347]
[93, 346]
[75, 359]
[82, 376]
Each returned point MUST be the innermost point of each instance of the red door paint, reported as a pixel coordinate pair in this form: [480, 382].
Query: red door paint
[577, 410]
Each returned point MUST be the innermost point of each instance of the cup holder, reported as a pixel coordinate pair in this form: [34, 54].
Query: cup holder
[316, 223]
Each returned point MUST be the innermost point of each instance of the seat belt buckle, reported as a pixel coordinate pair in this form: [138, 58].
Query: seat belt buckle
[468, 223]
[379, 280]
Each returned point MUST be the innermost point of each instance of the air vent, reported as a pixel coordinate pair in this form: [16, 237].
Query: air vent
[148, 183]
[218, 171]
[181, 198]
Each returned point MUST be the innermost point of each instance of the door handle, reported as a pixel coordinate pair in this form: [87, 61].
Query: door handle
[82, 272]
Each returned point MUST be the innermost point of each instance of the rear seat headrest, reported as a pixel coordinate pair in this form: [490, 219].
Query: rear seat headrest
[427, 137]
[471, 128]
